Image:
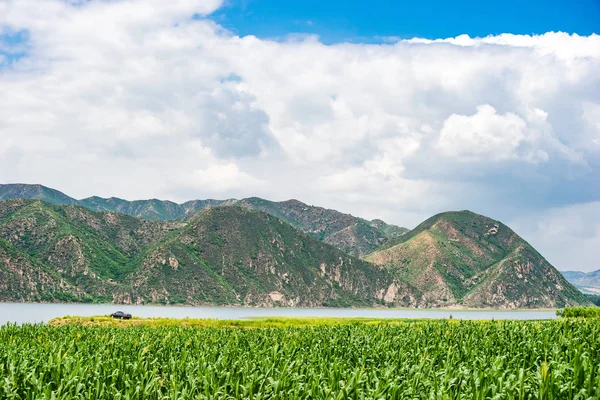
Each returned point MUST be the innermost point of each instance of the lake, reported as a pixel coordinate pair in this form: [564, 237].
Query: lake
[31, 313]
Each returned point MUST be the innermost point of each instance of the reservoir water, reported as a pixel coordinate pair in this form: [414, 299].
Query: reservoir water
[34, 313]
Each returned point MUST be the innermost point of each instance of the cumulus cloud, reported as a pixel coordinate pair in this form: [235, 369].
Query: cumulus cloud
[220, 178]
[146, 98]
[489, 137]
[591, 116]
[566, 47]
[485, 136]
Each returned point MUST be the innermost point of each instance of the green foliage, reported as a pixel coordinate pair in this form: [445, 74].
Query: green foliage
[260, 322]
[55, 223]
[579, 312]
[319, 222]
[236, 256]
[594, 298]
[230, 253]
[65, 297]
[224, 256]
[462, 258]
[430, 360]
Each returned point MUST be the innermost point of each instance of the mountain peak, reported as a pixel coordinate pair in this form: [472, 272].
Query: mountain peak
[461, 258]
[295, 202]
[34, 191]
[460, 215]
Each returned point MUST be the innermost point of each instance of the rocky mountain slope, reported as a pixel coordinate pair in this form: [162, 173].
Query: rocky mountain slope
[234, 255]
[239, 256]
[225, 255]
[79, 253]
[353, 235]
[465, 259]
[586, 282]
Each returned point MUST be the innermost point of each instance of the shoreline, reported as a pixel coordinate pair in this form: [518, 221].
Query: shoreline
[259, 322]
[458, 309]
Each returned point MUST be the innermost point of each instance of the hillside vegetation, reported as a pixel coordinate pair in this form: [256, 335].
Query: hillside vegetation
[241, 256]
[579, 312]
[226, 255]
[353, 235]
[234, 255]
[466, 259]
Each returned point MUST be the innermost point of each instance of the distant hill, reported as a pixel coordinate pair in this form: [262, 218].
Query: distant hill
[466, 259]
[572, 275]
[353, 235]
[586, 282]
[38, 192]
[224, 256]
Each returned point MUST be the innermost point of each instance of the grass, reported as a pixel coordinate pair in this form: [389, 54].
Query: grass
[260, 322]
[434, 359]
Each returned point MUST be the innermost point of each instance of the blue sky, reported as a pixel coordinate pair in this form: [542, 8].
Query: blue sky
[11, 46]
[369, 21]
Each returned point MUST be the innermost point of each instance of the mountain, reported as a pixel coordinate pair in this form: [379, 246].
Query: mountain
[573, 275]
[78, 253]
[586, 282]
[240, 256]
[466, 259]
[353, 235]
[37, 192]
[153, 209]
[224, 256]
[233, 255]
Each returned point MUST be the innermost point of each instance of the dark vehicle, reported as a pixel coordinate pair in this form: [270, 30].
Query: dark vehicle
[121, 315]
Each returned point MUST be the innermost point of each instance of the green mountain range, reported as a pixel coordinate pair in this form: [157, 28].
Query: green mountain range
[225, 255]
[353, 235]
[260, 253]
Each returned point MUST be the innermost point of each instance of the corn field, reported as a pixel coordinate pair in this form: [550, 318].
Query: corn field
[421, 360]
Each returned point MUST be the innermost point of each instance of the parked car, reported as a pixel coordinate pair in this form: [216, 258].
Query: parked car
[121, 315]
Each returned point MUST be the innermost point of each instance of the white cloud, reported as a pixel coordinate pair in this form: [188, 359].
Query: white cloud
[487, 137]
[484, 136]
[138, 99]
[591, 116]
[219, 178]
[565, 46]
[5, 7]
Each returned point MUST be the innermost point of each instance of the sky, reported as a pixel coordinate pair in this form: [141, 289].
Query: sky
[378, 21]
[382, 109]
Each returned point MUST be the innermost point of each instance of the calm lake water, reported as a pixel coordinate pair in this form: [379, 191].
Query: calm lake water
[31, 313]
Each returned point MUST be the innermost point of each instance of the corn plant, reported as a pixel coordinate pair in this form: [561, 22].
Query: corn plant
[421, 360]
